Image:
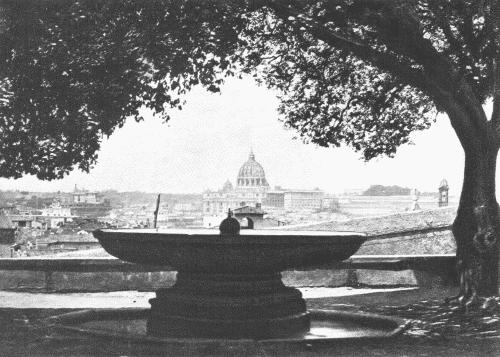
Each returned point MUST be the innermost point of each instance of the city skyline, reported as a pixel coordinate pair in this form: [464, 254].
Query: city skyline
[205, 144]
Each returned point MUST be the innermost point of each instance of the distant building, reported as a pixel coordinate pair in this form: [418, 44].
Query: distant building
[55, 215]
[81, 195]
[291, 199]
[275, 199]
[443, 193]
[56, 210]
[185, 207]
[21, 221]
[250, 217]
[303, 199]
[88, 204]
[251, 188]
[85, 197]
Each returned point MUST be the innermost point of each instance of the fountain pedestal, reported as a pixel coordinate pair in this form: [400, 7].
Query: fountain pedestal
[228, 306]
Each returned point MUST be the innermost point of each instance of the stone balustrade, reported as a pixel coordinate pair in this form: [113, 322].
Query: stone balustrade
[112, 274]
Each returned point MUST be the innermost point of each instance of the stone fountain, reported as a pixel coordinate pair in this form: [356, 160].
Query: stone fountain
[229, 284]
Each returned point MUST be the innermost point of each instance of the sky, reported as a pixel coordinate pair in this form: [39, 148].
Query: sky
[206, 143]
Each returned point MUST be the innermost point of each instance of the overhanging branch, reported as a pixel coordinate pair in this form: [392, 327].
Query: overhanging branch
[386, 62]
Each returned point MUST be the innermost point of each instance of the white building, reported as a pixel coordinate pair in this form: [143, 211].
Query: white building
[56, 215]
[251, 188]
[56, 210]
[85, 197]
[303, 199]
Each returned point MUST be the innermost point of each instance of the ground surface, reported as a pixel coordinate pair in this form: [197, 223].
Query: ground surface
[436, 331]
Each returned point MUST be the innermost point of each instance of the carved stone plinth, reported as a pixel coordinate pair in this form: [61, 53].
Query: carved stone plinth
[228, 306]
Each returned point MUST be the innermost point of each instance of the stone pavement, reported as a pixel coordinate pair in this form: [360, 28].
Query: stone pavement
[436, 331]
[122, 299]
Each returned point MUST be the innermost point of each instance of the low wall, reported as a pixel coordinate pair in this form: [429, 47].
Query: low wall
[23, 280]
[104, 274]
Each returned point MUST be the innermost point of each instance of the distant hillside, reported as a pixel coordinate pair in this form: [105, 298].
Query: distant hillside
[143, 198]
[381, 190]
[117, 199]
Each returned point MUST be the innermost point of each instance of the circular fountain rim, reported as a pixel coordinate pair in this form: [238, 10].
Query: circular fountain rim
[247, 232]
[65, 323]
[264, 236]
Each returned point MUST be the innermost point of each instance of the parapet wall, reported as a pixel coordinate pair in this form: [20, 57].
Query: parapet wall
[22, 280]
[49, 279]
[94, 274]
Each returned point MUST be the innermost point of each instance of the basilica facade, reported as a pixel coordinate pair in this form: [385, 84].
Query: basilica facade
[251, 188]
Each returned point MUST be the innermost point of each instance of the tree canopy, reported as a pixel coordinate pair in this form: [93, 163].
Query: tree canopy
[72, 72]
[363, 73]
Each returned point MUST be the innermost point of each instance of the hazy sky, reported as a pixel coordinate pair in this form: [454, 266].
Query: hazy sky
[207, 142]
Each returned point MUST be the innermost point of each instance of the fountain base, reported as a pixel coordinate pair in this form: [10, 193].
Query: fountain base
[130, 326]
[227, 305]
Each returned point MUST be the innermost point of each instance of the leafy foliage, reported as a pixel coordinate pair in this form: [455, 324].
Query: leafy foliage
[329, 96]
[365, 73]
[73, 72]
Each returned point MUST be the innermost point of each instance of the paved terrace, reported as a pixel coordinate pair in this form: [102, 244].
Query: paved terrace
[435, 331]
[129, 299]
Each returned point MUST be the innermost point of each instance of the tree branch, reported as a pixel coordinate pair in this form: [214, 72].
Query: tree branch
[414, 77]
[495, 116]
[455, 45]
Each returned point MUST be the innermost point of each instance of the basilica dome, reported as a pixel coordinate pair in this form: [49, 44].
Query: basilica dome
[228, 186]
[251, 174]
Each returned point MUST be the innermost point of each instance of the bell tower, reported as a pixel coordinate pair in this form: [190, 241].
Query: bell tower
[443, 193]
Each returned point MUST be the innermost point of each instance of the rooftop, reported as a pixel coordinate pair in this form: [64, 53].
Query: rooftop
[249, 210]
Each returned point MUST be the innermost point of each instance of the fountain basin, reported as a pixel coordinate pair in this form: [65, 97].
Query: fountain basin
[250, 251]
[229, 284]
[130, 325]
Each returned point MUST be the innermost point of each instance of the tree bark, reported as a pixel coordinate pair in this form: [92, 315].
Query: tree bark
[476, 227]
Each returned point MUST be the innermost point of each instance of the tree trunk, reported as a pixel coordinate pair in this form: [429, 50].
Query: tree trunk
[476, 227]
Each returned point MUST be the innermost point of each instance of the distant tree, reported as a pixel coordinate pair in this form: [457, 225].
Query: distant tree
[361, 72]
[380, 190]
[114, 198]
